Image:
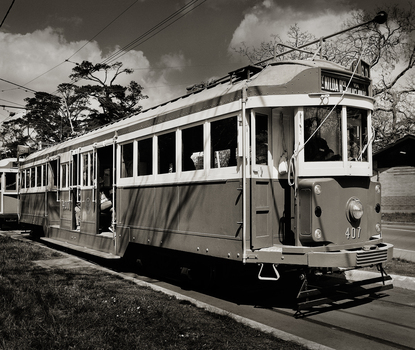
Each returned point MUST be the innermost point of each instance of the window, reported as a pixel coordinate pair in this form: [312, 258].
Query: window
[322, 134]
[127, 160]
[11, 184]
[167, 153]
[192, 152]
[38, 176]
[224, 142]
[85, 170]
[54, 172]
[32, 177]
[23, 179]
[356, 134]
[261, 139]
[64, 174]
[145, 157]
[45, 175]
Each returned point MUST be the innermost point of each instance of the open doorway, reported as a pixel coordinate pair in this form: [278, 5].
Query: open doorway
[106, 190]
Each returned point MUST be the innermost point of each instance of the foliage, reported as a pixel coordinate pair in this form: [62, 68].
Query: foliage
[116, 101]
[389, 49]
[71, 111]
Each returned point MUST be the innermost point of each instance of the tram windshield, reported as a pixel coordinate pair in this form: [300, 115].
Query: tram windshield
[323, 134]
[322, 130]
[356, 134]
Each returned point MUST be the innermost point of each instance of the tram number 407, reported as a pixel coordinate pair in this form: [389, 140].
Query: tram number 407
[353, 233]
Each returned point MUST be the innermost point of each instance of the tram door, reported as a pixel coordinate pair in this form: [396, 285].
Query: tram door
[261, 182]
[89, 196]
[105, 189]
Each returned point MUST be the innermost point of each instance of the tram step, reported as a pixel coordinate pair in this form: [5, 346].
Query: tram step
[76, 248]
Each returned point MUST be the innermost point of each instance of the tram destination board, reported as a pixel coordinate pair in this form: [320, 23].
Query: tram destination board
[340, 84]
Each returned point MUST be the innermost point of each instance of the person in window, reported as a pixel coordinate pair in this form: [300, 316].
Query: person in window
[317, 149]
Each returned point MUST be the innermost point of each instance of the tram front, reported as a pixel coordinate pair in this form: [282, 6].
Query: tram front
[338, 206]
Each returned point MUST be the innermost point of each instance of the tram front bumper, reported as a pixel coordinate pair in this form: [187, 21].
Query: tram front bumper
[312, 257]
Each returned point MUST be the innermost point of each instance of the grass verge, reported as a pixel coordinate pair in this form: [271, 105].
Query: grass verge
[86, 308]
[397, 267]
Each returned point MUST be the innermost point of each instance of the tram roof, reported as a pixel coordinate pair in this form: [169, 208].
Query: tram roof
[276, 74]
[8, 163]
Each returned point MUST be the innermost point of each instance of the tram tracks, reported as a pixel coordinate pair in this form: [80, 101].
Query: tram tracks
[311, 318]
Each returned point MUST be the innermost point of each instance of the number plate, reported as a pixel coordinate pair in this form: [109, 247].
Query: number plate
[353, 232]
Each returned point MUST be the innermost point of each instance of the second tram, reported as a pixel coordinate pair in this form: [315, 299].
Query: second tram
[9, 203]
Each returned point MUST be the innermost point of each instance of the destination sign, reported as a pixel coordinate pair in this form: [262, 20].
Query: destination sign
[334, 84]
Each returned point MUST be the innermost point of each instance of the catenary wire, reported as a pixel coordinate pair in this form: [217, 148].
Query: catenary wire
[142, 38]
[7, 13]
[101, 30]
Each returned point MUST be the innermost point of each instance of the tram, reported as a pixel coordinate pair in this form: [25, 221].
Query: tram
[9, 203]
[270, 165]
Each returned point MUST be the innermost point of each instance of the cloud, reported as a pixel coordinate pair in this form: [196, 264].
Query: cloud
[37, 61]
[318, 17]
[159, 81]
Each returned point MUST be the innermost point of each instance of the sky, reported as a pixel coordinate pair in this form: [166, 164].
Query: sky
[41, 41]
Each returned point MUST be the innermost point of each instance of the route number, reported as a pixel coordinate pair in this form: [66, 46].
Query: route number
[353, 233]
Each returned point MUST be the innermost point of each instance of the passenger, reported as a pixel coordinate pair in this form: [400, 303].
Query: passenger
[78, 215]
[105, 212]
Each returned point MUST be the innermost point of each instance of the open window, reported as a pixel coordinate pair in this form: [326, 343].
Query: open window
[127, 160]
[192, 149]
[145, 157]
[10, 182]
[224, 137]
[167, 153]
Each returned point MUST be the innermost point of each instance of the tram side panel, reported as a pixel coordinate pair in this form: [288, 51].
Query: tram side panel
[32, 208]
[202, 218]
[8, 209]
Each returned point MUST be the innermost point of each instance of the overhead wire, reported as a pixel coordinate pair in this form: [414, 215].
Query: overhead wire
[7, 13]
[150, 33]
[67, 60]
[18, 85]
[164, 24]
[101, 30]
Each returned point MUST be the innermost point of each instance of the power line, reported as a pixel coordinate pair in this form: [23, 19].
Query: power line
[102, 30]
[12, 102]
[19, 86]
[10, 7]
[142, 38]
[67, 60]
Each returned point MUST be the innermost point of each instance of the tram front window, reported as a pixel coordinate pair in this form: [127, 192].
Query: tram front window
[322, 134]
[356, 134]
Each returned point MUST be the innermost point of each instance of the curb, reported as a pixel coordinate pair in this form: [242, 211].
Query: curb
[408, 255]
[398, 281]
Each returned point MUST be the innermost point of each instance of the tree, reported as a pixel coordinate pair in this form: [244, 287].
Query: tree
[53, 118]
[388, 48]
[116, 101]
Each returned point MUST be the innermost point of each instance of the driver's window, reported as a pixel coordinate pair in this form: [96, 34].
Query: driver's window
[322, 134]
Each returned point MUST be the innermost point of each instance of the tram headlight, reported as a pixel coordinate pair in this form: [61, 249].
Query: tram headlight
[377, 188]
[317, 234]
[378, 228]
[317, 189]
[354, 209]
